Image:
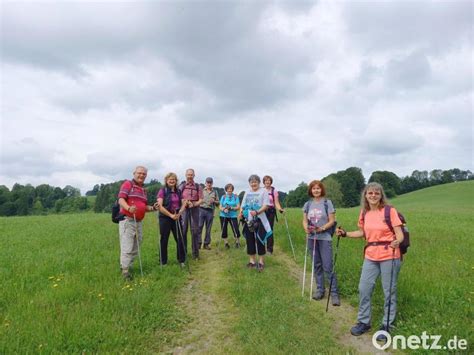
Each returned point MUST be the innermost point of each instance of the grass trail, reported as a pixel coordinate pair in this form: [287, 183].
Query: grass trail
[236, 310]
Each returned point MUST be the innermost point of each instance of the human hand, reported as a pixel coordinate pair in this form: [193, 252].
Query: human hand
[341, 232]
[132, 208]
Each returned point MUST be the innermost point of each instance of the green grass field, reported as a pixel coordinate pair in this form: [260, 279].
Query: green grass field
[62, 291]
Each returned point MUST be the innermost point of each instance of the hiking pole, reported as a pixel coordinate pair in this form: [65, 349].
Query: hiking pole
[304, 267]
[233, 228]
[390, 291]
[159, 251]
[179, 230]
[289, 237]
[138, 244]
[333, 271]
[256, 251]
[312, 270]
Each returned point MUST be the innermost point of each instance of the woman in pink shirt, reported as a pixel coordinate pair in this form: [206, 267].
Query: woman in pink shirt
[381, 257]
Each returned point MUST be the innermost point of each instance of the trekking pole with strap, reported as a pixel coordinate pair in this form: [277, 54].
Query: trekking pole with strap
[390, 291]
[257, 264]
[179, 230]
[138, 244]
[333, 271]
[304, 267]
[289, 237]
[312, 269]
[233, 228]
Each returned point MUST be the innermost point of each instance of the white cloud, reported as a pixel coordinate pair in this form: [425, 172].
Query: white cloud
[297, 91]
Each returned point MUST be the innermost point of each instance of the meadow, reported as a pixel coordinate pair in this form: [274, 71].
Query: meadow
[62, 291]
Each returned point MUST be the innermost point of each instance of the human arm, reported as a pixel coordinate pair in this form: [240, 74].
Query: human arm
[398, 237]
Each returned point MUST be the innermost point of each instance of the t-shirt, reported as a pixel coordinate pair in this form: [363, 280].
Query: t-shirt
[209, 199]
[191, 191]
[317, 217]
[135, 195]
[270, 196]
[253, 201]
[174, 203]
[376, 230]
[229, 201]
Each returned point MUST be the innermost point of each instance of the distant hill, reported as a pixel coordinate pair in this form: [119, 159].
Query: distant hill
[457, 196]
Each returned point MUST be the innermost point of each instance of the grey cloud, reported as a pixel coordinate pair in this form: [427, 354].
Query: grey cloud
[115, 166]
[410, 72]
[215, 45]
[433, 25]
[28, 157]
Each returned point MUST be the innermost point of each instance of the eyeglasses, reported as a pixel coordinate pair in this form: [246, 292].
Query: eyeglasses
[376, 193]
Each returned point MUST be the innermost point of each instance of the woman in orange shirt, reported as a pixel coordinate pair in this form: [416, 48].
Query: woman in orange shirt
[381, 257]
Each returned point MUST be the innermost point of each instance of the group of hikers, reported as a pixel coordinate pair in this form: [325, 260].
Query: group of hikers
[189, 206]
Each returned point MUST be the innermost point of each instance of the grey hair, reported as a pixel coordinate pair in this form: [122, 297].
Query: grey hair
[254, 177]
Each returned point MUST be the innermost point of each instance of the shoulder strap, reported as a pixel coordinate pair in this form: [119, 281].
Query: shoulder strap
[326, 207]
[387, 219]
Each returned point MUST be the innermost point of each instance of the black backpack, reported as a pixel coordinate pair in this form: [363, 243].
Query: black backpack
[167, 198]
[116, 215]
[331, 230]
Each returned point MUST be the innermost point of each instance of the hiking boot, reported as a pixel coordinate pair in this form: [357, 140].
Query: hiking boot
[251, 265]
[227, 246]
[319, 295]
[382, 337]
[360, 328]
[207, 247]
[183, 265]
[237, 245]
[335, 300]
[127, 276]
[261, 266]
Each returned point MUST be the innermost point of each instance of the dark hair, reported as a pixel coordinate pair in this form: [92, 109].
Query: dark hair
[227, 186]
[316, 183]
[267, 177]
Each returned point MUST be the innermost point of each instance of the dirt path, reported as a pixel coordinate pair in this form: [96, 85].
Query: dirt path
[343, 317]
[212, 316]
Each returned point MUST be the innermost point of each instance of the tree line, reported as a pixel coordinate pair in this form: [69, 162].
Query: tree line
[25, 200]
[343, 188]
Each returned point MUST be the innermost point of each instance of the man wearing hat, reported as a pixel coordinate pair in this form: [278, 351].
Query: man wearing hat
[206, 213]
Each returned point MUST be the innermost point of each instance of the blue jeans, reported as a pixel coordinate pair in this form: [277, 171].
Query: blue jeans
[370, 272]
[323, 264]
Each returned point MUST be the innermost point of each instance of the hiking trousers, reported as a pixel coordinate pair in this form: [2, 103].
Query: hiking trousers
[323, 263]
[167, 226]
[128, 241]
[191, 220]
[370, 272]
[270, 212]
[206, 217]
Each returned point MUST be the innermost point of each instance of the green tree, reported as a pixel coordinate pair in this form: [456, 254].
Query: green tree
[298, 196]
[352, 182]
[390, 182]
[333, 190]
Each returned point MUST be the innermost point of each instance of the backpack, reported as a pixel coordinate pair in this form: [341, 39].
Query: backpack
[406, 234]
[181, 187]
[167, 197]
[272, 193]
[116, 215]
[331, 230]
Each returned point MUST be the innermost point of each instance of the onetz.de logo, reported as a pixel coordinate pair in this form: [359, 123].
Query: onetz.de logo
[414, 342]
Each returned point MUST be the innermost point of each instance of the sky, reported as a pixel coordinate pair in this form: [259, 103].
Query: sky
[296, 90]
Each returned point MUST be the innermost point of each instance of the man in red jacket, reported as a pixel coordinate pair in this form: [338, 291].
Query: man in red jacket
[133, 205]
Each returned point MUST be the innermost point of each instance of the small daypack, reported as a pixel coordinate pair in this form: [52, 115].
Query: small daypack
[406, 234]
[332, 229]
[167, 198]
[116, 215]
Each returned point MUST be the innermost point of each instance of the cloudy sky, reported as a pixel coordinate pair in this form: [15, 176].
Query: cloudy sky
[297, 90]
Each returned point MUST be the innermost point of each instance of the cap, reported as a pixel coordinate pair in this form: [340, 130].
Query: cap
[209, 179]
